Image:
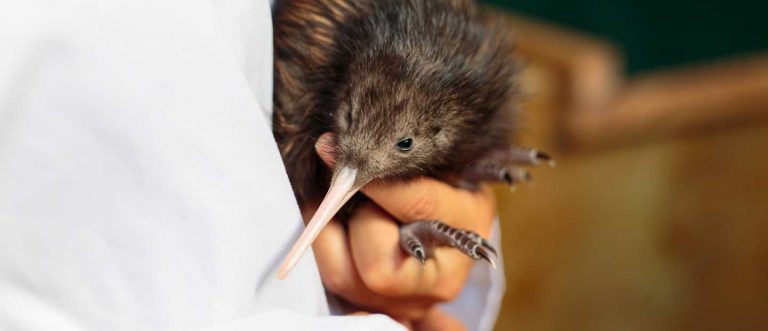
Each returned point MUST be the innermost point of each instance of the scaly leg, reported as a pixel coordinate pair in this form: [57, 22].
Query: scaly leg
[487, 171]
[420, 238]
[505, 165]
[520, 155]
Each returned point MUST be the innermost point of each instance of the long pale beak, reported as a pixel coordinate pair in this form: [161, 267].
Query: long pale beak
[342, 189]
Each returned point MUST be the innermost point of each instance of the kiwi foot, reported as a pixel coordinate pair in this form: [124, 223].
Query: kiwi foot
[420, 238]
[506, 166]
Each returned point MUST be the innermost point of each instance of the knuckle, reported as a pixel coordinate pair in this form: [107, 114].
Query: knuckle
[378, 281]
[422, 207]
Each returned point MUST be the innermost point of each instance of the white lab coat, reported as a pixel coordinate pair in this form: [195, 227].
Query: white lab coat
[140, 186]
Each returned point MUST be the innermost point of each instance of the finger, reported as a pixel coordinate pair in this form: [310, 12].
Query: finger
[385, 269]
[426, 199]
[340, 276]
[437, 320]
[374, 242]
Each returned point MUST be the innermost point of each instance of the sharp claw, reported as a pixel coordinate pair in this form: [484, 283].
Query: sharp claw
[420, 255]
[483, 254]
[539, 156]
[508, 178]
[488, 246]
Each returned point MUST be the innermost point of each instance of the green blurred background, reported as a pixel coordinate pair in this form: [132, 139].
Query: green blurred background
[656, 34]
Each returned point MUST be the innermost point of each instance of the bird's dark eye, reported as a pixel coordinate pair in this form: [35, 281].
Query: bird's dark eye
[405, 144]
[349, 118]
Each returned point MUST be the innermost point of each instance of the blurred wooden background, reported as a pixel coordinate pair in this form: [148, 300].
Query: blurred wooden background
[656, 217]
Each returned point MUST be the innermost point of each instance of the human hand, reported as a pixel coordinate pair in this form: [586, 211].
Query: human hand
[364, 263]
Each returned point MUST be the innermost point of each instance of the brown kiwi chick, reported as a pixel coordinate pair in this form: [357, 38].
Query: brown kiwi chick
[408, 88]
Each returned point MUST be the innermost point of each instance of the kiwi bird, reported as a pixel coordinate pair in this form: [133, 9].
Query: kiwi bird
[408, 88]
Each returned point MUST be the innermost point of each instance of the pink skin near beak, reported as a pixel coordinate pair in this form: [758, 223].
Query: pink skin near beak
[342, 189]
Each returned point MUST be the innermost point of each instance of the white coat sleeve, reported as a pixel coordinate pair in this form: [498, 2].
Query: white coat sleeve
[140, 186]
